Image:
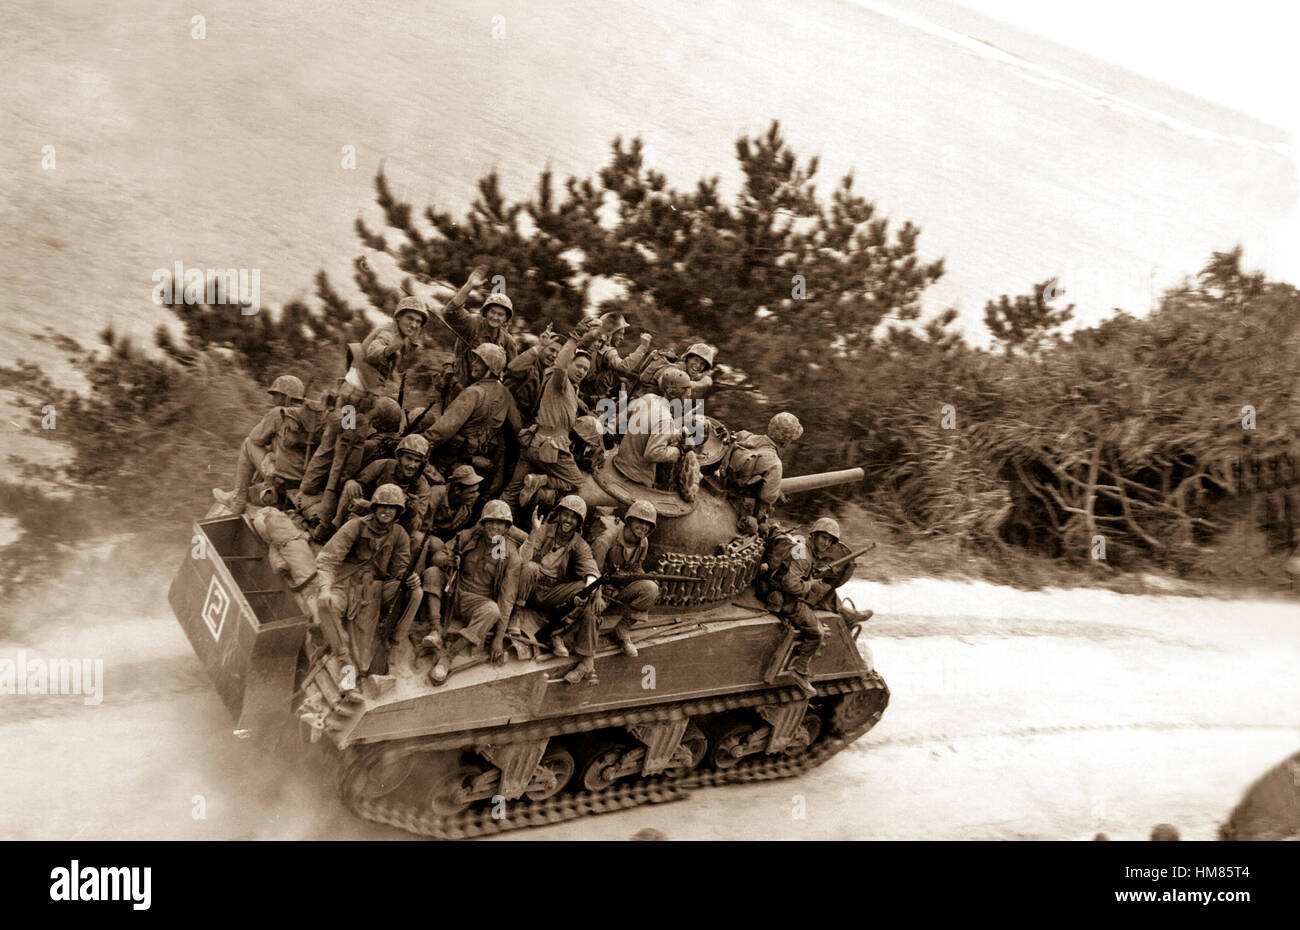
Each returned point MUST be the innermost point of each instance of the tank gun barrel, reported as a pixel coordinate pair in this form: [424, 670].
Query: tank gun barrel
[821, 479]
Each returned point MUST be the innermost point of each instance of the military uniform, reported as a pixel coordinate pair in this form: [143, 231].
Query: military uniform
[472, 427]
[785, 588]
[609, 369]
[384, 471]
[277, 443]
[363, 566]
[821, 593]
[649, 441]
[753, 471]
[524, 380]
[447, 517]
[486, 586]
[613, 554]
[546, 579]
[546, 443]
[474, 330]
[376, 359]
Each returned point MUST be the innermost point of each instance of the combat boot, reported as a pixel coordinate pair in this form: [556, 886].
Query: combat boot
[558, 647]
[801, 679]
[625, 640]
[586, 669]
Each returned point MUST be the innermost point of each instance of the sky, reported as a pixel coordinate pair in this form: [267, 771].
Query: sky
[1241, 54]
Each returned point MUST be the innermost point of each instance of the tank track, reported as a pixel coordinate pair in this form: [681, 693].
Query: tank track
[862, 701]
[724, 575]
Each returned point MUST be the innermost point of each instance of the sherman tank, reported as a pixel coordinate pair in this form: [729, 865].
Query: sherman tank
[497, 747]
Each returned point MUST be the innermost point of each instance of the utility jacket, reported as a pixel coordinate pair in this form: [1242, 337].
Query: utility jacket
[560, 561]
[362, 545]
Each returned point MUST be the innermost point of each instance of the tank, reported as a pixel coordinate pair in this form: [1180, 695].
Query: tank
[497, 747]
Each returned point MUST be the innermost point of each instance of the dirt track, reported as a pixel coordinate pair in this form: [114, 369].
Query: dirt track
[1015, 715]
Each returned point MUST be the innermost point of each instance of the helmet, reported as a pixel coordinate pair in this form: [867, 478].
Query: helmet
[412, 304]
[612, 322]
[672, 377]
[387, 415]
[784, 427]
[414, 443]
[828, 526]
[642, 510]
[290, 386]
[499, 300]
[588, 428]
[575, 503]
[702, 351]
[388, 494]
[493, 356]
[466, 475]
[497, 510]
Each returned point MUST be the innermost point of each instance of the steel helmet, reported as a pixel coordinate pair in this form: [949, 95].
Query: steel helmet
[672, 377]
[499, 300]
[414, 443]
[642, 510]
[290, 386]
[497, 510]
[612, 322]
[828, 526]
[575, 503]
[784, 427]
[412, 305]
[387, 415]
[702, 351]
[466, 475]
[493, 356]
[388, 495]
[588, 428]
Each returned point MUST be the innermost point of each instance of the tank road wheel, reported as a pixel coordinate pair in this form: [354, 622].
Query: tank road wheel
[452, 793]
[698, 744]
[809, 729]
[601, 769]
[551, 775]
[385, 775]
[727, 751]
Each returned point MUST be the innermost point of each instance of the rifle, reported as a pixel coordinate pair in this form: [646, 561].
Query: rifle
[571, 617]
[390, 622]
[449, 588]
[831, 566]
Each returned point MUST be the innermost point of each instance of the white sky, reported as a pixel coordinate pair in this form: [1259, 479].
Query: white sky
[1241, 53]
[1244, 54]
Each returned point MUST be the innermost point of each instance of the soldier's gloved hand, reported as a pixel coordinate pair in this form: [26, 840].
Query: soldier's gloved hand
[413, 581]
[647, 338]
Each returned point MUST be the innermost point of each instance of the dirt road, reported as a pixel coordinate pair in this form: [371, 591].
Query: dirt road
[1015, 715]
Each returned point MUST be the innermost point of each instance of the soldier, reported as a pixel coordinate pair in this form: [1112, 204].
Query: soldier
[546, 468]
[276, 447]
[698, 362]
[339, 453]
[784, 585]
[647, 379]
[524, 374]
[360, 571]
[558, 563]
[451, 505]
[653, 434]
[385, 433]
[405, 472]
[384, 352]
[621, 548]
[488, 325]
[752, 468]
[483, 564]
[470, 429]
[608, 368]
[824, 541]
